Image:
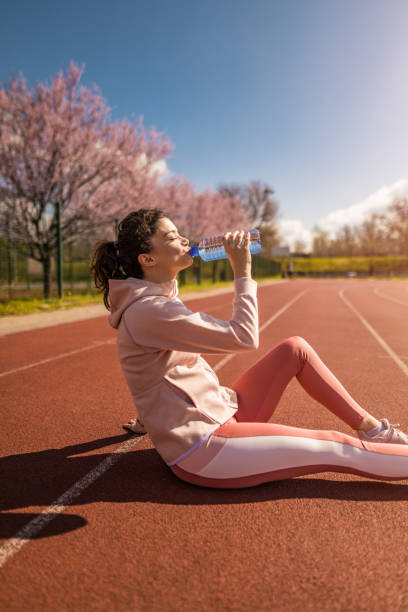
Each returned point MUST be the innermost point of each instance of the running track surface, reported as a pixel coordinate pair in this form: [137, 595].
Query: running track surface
[88, 528]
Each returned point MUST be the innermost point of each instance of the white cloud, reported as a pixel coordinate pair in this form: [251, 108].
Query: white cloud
[357, 213]
[159, 167]
[292, 230]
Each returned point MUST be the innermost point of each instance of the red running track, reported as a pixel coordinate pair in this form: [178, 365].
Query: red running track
[126, 534]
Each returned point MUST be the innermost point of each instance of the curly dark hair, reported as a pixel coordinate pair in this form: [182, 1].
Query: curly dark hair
[134, 233]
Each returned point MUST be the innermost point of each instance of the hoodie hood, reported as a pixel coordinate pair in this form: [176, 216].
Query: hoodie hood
[123, 292]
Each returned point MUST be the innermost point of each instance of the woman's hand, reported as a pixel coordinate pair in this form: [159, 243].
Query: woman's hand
[236, 245]
[135, 426]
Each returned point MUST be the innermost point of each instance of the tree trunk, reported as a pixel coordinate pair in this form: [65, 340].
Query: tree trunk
[71, 267]
[46, 262]
[88, 274]
[28, 278]
[182, 278]
[223, 271]
[197, 271]
[214, 271]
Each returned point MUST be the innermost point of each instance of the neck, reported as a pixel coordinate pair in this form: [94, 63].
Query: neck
[157, 277]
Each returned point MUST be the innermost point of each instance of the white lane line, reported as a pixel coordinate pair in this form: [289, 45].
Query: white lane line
[13, 545]
[80, 350]
[277, 314]
[387, 297]
[377, 336]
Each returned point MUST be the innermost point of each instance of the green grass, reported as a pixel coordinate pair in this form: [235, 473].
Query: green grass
[27, 305]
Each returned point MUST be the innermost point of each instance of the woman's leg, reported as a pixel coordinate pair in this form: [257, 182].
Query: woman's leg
[241, 454]
[260, 387]
[248, 450]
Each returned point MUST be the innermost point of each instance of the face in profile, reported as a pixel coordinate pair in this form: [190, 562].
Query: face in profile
[170, 249]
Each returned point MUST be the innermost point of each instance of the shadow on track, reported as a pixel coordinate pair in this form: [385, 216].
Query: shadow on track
[40, 478]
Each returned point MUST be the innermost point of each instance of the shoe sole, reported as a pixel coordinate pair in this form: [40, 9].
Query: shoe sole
[130, 430]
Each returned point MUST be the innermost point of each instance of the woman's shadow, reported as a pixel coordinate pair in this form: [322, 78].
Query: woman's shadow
[38, 479]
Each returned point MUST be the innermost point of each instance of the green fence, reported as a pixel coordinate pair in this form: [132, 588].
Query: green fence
[21, 276]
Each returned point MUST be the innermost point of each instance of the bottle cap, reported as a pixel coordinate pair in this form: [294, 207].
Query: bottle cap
[194, 251]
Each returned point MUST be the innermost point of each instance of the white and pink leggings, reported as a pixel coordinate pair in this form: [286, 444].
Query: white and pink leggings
[247, 450]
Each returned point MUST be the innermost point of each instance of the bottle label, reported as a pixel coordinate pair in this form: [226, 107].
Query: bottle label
[212, 247]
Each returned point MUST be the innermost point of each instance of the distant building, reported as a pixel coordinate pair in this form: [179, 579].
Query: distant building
[281, 251]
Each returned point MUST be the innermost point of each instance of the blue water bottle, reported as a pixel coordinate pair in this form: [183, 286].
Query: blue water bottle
[212, 248]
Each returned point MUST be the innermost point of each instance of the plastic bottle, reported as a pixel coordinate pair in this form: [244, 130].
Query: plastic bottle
[212, 247]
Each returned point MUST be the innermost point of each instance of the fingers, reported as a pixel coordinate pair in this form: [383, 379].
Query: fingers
[237, 238]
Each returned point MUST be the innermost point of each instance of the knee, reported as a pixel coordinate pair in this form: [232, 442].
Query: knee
[297, 348]
[296, 343]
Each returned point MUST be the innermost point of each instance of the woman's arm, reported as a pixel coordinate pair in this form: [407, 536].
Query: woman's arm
[168, 324]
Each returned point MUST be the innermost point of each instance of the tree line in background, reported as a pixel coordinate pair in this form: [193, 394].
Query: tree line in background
[381, 234]
[58, 144]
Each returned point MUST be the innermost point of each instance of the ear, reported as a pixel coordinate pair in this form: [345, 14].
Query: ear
[146, 260]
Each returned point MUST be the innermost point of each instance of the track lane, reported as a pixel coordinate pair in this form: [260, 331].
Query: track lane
[387, 315]
[154, 541]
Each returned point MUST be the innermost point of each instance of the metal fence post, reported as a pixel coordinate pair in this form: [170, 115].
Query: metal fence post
[9, 262]
[59, 249]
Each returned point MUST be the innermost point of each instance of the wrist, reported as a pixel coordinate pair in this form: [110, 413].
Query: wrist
[242, 272]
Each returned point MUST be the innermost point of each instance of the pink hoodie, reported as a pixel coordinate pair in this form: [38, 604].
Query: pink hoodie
[177, 394]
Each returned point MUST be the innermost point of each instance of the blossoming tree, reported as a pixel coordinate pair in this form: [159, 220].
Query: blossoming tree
[57, 144]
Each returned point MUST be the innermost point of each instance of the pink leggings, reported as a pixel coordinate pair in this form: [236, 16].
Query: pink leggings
[247, 450]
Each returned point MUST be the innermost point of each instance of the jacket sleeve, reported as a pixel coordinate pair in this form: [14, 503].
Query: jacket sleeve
[168, 324]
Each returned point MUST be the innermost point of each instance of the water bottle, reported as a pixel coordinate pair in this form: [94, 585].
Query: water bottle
[212, 248]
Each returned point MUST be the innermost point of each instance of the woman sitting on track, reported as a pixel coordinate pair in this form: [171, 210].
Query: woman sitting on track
[208, 434]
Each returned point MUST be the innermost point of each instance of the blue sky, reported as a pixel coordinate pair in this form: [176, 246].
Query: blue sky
[308, 96]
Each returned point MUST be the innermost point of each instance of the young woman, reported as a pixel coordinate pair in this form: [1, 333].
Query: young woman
[209, 434]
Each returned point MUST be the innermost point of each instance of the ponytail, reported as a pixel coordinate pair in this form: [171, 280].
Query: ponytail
[119, 259]
[105, 264]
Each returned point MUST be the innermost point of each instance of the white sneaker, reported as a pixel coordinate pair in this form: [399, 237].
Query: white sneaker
[389, 435]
